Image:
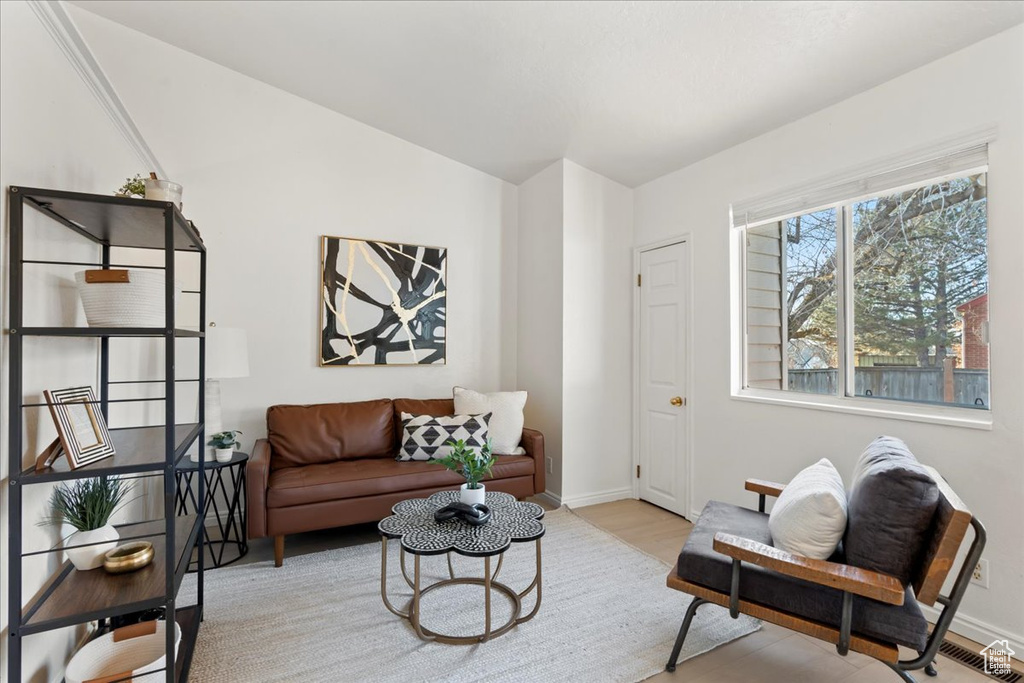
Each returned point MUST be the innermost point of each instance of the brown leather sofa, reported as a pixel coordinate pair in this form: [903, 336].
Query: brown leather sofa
[333, 464]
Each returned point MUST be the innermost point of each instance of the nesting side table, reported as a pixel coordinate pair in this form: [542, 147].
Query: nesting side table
[225, 492]
[412, 523]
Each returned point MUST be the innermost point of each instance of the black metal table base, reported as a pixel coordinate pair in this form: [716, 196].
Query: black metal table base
[224, 503]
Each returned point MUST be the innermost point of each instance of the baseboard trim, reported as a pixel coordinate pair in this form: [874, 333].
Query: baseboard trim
[550, 498]
[976, 630]
[598, 497]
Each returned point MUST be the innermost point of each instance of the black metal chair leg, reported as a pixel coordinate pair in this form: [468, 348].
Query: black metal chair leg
[683, 629]
[907, 678]
[931, 670]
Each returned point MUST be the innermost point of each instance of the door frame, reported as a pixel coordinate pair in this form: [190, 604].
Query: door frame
[684, 238]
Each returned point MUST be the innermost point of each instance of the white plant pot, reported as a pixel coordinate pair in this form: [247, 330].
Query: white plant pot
[472, 496]
[224, 454]
[91, 557]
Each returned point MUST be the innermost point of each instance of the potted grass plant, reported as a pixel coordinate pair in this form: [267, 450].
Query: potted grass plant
[472, 466]
[86, 505]
[224, 444]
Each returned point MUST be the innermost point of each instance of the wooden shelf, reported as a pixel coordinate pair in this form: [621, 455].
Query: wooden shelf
[117, 221]
[75, 597]
[138, 449]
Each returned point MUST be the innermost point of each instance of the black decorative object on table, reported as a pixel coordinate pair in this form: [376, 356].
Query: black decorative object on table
[477, 514]
[220, 495]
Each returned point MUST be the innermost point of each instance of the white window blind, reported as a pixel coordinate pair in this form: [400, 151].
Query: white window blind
[881, 178]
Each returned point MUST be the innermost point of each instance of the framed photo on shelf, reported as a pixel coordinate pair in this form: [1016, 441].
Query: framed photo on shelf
[81, 429]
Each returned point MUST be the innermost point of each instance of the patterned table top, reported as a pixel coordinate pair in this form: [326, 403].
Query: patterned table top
[511, 521]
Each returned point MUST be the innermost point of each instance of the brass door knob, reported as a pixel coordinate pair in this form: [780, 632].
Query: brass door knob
[676, 400]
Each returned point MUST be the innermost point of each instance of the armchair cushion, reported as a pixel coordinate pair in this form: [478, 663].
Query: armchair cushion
[891, 505]
[699, 563]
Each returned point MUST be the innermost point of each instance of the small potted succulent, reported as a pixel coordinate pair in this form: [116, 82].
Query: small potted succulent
[224, 444]
[473, 466]
[133, 187]
[86, 505]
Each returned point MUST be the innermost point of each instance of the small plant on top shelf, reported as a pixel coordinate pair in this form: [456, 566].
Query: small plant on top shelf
[225, 444]
[87, 505]
[133, 187]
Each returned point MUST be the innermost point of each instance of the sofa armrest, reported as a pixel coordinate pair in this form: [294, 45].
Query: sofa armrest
[870, 584]
[532, 442]
[257, 478]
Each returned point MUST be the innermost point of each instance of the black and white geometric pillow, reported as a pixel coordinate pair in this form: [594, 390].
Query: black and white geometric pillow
[424, 437]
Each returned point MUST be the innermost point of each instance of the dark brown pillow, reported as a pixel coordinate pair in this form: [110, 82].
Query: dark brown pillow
[890, 509]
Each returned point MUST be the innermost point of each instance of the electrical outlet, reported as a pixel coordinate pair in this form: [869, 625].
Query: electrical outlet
[549, 465]
[980, 576]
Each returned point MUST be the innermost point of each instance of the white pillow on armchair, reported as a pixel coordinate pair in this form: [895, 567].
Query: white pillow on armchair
[505, 427]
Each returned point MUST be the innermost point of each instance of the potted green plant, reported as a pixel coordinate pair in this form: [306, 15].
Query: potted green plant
[224, 444]
[133, 187]
[86, 505]
[473, 466]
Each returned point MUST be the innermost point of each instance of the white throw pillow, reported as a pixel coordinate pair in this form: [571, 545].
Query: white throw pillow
[809, 517]
[505, 427]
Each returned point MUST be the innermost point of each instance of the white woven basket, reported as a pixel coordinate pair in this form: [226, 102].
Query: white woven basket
[136, 303]
[131, 656]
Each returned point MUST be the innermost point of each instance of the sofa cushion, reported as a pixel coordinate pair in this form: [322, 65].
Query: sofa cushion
[435, 407]
[699, 563]
[891, 505]
[371, 477]
[326, 432]
[425, 437]
[809, 518]
[506, 409]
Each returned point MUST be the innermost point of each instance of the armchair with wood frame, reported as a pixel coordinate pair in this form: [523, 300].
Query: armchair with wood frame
[728, 560]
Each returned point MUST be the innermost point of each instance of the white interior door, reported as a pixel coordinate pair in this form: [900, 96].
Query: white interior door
[662, 366]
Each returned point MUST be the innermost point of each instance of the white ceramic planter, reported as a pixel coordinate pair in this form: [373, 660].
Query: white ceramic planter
[224, 454]
[472, 496]
[91, 557]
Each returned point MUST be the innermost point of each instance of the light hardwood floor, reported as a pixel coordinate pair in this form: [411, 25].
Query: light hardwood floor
[771, 655]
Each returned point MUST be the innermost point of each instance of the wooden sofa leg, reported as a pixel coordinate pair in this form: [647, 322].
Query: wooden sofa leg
[278, 550]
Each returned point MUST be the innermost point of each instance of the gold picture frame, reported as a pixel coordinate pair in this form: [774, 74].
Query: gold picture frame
[82, 432]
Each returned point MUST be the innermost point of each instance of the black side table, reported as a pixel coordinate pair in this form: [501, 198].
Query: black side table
[232, 525]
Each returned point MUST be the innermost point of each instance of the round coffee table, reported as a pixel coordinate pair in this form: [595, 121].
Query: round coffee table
[413, 523]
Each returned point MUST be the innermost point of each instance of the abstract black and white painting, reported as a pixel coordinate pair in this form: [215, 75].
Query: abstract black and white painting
[382, 303]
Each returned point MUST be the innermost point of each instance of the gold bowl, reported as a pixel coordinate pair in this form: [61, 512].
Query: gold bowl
[128, 557]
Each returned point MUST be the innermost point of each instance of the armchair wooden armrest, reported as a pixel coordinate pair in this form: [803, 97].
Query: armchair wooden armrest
[763, 487]
[864, 582]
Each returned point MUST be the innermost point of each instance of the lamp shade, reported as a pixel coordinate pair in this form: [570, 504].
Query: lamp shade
[227, 353]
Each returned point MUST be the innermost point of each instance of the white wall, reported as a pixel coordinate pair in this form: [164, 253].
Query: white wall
[596, 338]
[574, 343]
[54, 134]
[539, 287]
[982, 85]
[265, 175]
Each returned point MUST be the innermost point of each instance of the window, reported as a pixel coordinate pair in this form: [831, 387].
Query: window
[877, 297]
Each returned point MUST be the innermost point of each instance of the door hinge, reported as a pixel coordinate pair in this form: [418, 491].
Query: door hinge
[638, 279]
[638, 471]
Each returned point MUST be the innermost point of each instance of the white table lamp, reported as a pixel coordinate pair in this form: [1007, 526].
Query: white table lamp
[227, 357]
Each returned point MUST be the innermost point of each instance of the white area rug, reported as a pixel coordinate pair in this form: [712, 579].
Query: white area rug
[606, 615]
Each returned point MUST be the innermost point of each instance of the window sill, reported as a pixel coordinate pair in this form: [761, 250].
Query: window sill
[941, 415]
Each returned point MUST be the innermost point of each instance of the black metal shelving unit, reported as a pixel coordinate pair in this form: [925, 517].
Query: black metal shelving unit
[71, 597]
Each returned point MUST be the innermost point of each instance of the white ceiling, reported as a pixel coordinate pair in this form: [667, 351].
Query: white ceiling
[631, 90]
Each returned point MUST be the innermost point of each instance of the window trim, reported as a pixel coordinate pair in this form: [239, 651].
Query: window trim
[843, 402]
